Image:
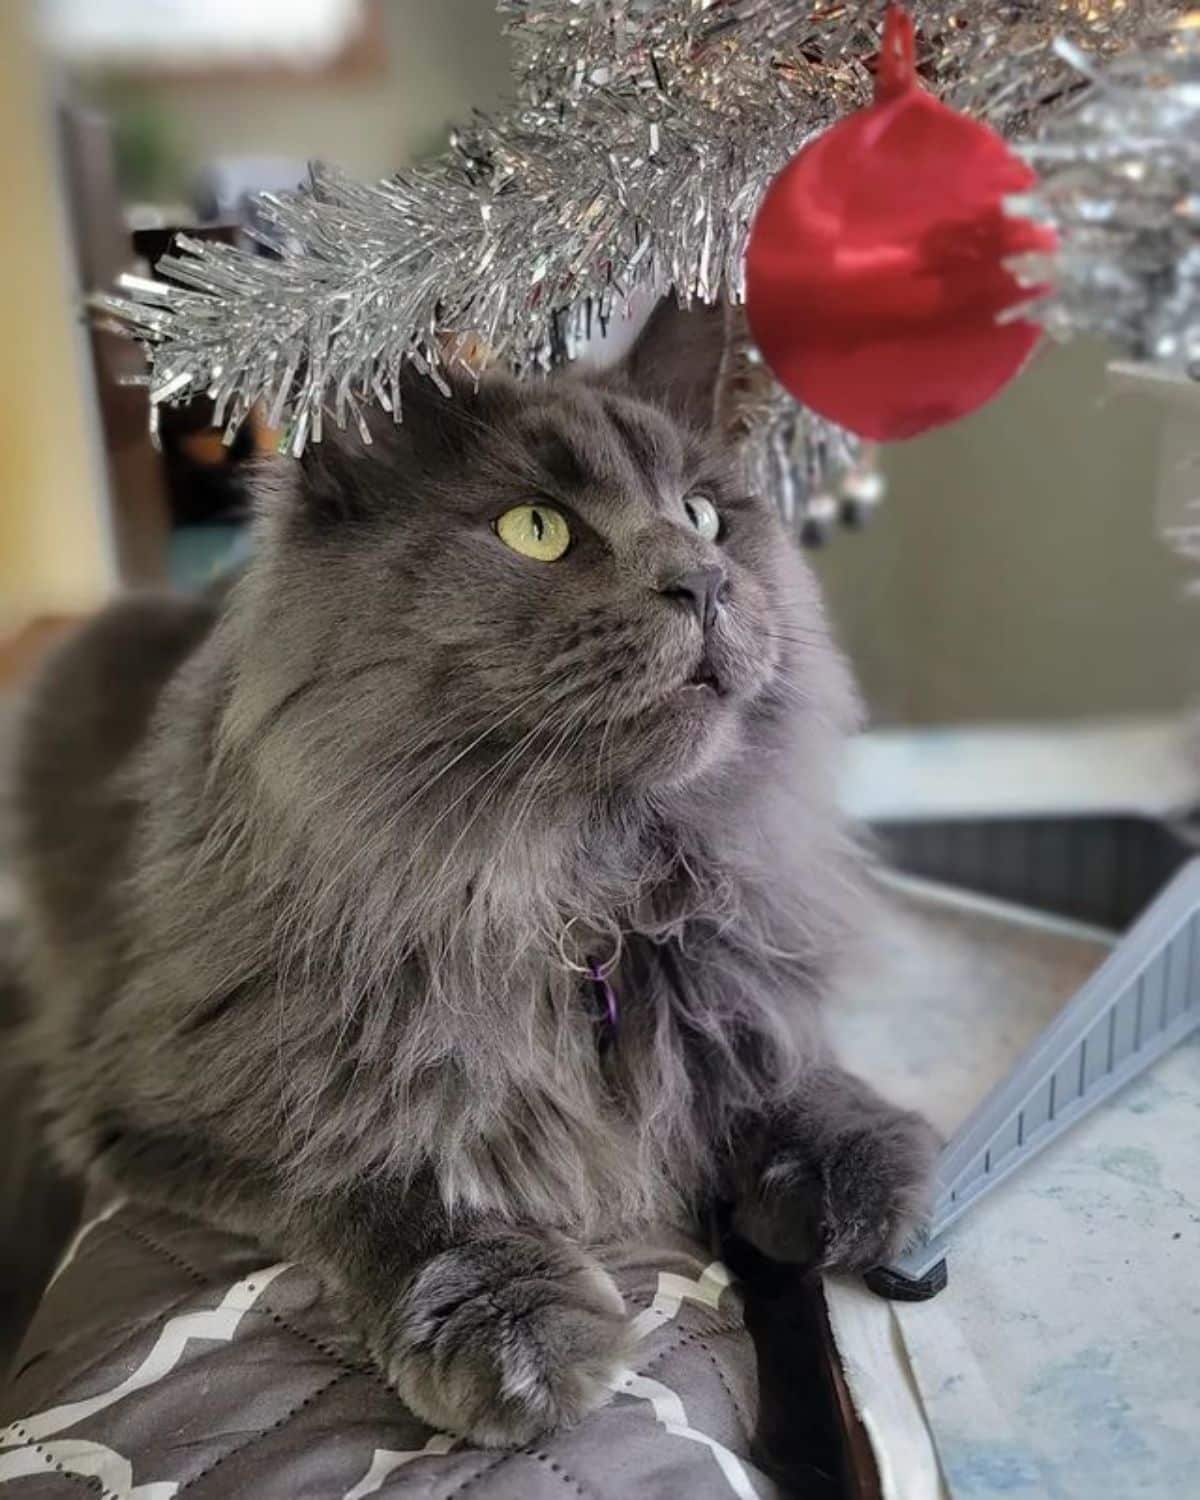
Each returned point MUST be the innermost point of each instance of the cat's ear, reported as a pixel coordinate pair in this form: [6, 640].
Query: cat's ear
[681, 359]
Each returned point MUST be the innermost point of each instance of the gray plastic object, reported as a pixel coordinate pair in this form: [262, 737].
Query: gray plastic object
[1126, 873]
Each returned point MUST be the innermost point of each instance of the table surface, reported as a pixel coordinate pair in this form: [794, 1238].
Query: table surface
[1063, 1360]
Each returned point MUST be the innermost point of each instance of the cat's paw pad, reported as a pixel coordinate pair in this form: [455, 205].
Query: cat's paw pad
[852, 1201]
[506, 1338]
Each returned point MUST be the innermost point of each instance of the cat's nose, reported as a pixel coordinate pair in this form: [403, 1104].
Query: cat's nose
[702, 590]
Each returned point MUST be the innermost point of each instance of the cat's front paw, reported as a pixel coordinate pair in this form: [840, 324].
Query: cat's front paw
[849, 1199]
[506, 1337]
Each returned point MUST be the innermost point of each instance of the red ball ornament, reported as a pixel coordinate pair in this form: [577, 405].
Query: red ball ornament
[875, 271]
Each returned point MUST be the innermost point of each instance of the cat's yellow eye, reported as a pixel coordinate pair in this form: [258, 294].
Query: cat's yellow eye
[537, 531]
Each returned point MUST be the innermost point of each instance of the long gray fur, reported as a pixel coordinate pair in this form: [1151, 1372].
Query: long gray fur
[313, 875]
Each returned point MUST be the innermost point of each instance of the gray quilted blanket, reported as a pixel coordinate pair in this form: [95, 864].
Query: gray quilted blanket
[170, 1360]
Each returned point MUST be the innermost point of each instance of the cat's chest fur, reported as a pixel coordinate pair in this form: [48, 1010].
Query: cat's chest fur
[523, 1098]
[597, 1106]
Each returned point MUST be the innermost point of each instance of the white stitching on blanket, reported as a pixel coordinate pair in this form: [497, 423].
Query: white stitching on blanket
[557, 1469]
[669, 1412]
[72, 1249]
[387, 1460]
[181, 1263]
[668, 1409]
[138, 1234]
[277, 1425]
[671, 1293]
[85, 1461]
[220, 1322]
[123, 1334]
[684, 1339]
[674, 1290]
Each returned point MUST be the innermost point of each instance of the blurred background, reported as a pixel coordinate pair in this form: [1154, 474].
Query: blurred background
[1023, 632]
[1016, 571]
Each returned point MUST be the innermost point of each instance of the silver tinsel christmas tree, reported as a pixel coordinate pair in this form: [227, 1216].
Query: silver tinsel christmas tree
[644, 135]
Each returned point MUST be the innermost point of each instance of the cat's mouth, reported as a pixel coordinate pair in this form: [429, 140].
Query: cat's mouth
[707, 678]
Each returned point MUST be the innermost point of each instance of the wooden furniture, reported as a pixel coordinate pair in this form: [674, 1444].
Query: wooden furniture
[102, 251]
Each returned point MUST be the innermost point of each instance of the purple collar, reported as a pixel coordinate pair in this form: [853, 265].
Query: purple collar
[607, 996]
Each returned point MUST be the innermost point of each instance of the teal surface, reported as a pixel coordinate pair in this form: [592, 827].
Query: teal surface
[198, 554]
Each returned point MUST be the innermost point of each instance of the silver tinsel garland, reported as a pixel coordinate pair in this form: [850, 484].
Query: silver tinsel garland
[1120, 182]
[644, 136]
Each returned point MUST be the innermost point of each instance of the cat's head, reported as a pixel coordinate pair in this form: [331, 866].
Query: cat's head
[548, 589]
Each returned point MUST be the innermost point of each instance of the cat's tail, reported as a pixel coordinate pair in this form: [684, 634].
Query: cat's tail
[38, 1208]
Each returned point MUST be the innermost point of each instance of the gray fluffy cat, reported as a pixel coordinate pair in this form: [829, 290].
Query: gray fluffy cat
[316, 876]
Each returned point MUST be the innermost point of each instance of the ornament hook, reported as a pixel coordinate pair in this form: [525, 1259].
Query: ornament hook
[896, 70]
